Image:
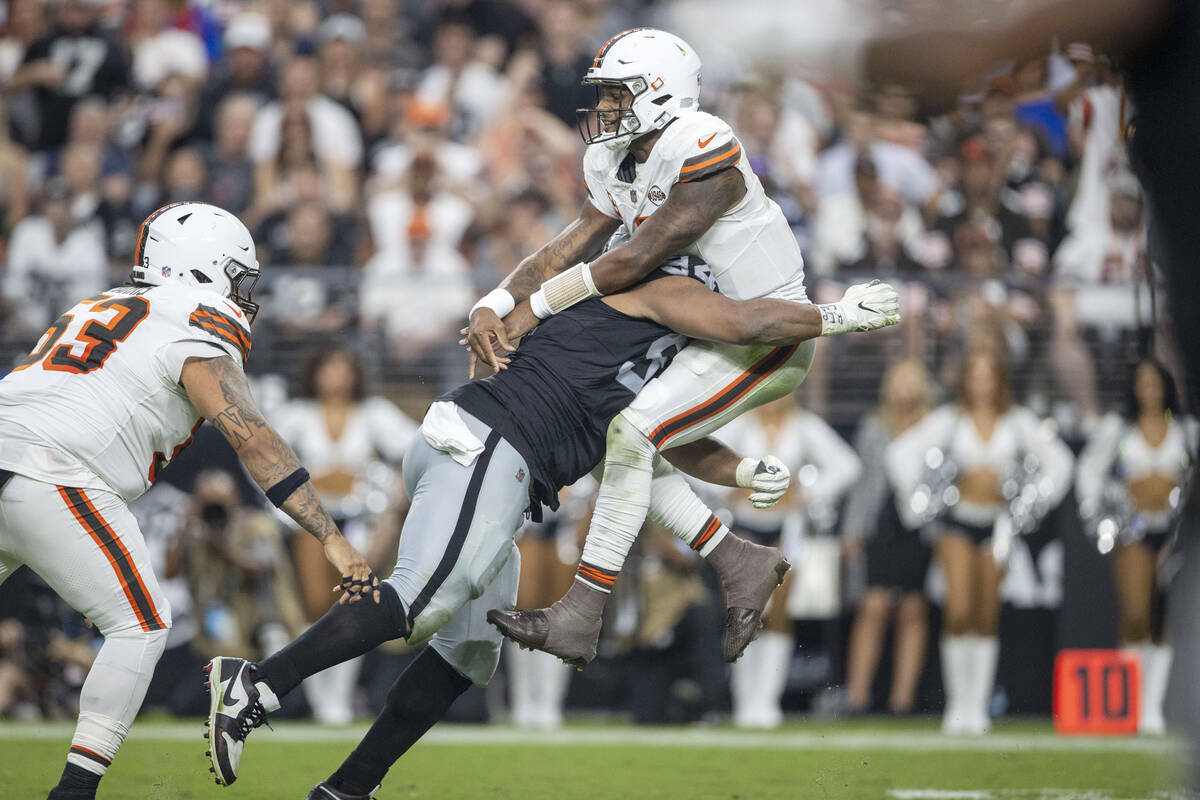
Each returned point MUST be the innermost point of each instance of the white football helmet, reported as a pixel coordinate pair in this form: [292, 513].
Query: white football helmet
[662, 74]
[201, 245]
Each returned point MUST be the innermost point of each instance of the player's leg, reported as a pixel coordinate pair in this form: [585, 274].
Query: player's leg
[463, 652]
[456, 538]
[87, 547]
[705, 387]
[985, 643]
[955, 553]
[1134, 569]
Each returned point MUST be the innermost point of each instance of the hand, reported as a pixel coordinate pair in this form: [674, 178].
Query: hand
[520, 322]
[870, 306]
[357, 578]
[769, 478]
[45, 73]
[485, 326]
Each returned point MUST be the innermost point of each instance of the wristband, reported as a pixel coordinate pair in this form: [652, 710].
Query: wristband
[563, 291]
[833, 319]
[280, 492]
[498, 300]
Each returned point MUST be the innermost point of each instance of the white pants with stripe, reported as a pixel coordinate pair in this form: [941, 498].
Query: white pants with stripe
[87, 547]
[709, 384]
[705, 387]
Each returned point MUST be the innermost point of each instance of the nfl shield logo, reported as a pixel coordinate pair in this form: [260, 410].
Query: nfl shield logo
[166, 272]
[633, 195]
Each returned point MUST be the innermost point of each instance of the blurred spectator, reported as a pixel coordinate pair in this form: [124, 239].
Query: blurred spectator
[24, 23]
[14, 189]
[305, 239]
[565, 59]
[53, 260]
[341, 434]
[170, 120]
[160, 49]
[824, 468]
[782, 147]
[230, 170]
[339, 39]
[243, 592]
[245, 69]
[1101, 276]
[74, 60]
[869, 230]
[1096, 129]
[282, 239]
[459, 80]
[897, 557]
[420, 212]
[305, 124]
[898, 166]
[523, 228]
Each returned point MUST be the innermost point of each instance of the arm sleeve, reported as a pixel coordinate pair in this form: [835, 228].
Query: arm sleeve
[391, 428]
[1097, 459]
[1055, 458]
[838, 466]
[862, 507]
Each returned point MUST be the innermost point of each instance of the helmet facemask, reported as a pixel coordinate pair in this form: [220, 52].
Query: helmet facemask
[242, 279]
[611, 125]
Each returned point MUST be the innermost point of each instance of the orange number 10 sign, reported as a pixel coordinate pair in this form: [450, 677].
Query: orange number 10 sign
[1096, 692]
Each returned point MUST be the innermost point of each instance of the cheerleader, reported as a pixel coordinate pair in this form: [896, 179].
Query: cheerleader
[897, 557]
[987, 438]
[1138, 461]
[339, 433]
[824, 467]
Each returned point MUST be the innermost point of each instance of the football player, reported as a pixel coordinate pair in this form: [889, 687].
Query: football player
[675, 179]
[490, 451]
[112, 392]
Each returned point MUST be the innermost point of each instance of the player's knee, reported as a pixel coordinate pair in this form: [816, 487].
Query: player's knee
[476, 659]
[627, 445]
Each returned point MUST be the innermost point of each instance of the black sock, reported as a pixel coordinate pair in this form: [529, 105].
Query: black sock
[346, 631]
[419, 698]
[76, 782]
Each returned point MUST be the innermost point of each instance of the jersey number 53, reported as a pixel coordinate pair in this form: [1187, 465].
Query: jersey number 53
[97, 331]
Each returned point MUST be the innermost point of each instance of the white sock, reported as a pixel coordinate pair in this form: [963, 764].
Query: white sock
[985, 655]
[331, 692]
[744, 686]
[675, 506]
[1156, 666]
[623, 501]
[521, 679]
[112, 695]
[776, 658]
[956, 667]
[553, 676]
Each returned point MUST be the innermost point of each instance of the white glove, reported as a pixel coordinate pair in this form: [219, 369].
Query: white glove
[769, 478]
[864, 307]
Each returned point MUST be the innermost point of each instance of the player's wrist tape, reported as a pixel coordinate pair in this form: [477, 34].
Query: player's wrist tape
[563, 291]
[745, 472]
[498, 300]
[833, 319]
[280, 492]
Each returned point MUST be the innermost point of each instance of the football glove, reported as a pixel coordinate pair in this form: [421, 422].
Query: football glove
[769, 479]
[864, 307]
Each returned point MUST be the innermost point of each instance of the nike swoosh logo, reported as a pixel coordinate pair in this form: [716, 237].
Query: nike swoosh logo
[868, 309]
[228, 698]
[704, 142]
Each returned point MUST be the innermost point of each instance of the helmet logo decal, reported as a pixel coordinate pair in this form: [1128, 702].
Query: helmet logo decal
[166, 272]
[657, 84]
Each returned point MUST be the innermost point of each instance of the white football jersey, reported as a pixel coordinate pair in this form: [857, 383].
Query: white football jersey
[97, 404]
[750, 249]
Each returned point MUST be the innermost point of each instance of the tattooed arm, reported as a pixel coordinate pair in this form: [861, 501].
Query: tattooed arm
[690, 210]
[219, 392]
[583, 237]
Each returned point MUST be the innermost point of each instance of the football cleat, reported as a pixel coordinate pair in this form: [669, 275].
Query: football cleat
[323, 791]
[749, 574]
[237, 705]
[570, 637]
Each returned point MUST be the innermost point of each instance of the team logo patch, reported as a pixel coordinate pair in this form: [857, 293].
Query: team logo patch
[520, 475]
[656, 195]
[633, 195]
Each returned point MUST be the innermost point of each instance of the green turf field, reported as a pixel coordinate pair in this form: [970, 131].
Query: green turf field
[863, 759]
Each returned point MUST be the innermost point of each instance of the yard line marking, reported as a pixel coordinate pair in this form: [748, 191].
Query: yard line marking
[1017, 794]
[939, 794]
[484, 735]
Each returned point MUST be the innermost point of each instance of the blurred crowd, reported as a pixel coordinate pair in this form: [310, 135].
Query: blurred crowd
[396, 158]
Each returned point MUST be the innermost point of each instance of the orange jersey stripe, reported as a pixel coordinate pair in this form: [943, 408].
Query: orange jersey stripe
[720, 155]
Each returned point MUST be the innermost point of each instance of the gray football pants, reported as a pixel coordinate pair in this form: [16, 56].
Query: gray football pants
[457, 556]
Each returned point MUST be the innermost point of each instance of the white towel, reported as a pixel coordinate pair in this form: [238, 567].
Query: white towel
[445, 430]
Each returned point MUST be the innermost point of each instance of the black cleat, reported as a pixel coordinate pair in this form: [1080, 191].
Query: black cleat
[237, 705]
[323, 791]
